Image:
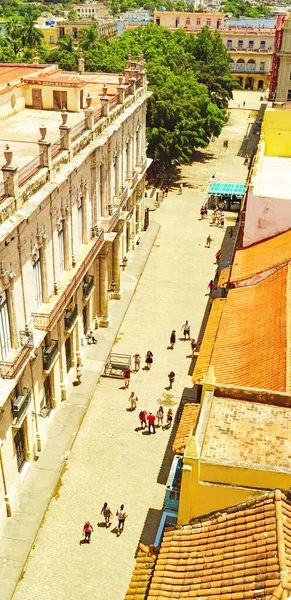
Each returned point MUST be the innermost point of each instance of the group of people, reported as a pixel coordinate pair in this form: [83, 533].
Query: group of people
[107, 513]
[217, 218]
[148, 419]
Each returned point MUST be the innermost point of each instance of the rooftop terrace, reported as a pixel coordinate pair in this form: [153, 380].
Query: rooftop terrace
[248, 434]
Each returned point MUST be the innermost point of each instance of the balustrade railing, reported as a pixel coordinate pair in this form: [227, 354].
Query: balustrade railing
[128, 91]
[26, 172]
[88, 286]
[124, 195]
[9, 369]
[78, 129]
[49, 353]
[98, 114]
[113, 102]
[3, 190]
[70, 316]
[137, 84]
[57, 147]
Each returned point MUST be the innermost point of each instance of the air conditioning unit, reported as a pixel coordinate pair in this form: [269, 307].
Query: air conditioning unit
[17, 405]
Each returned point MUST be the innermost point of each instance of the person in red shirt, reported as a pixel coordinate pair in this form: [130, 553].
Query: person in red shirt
[87, 530]
[151, 422]
[142, 417]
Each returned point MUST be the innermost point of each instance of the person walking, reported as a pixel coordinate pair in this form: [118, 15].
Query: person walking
[210, 286]
[149, 359]
[169, 417]
[186, 329]
[180, 189]
[126, 376]
[121, 515]
[151, 422]
[193, 346]
[87, 531]
[79, 374]
[133, 399]
[107, 514]
[160, 416]
[143, 418]
[208, 241]
[137, 359]
[173, 339]
[171, 377]
[218, 257]
[166, 191]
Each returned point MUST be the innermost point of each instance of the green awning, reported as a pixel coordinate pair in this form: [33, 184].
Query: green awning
[227, 189]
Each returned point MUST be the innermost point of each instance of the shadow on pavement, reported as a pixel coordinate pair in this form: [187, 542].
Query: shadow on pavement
[150, 527]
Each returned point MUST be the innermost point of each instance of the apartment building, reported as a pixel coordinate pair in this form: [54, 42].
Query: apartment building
[107, 27]
[191, 22]
[90, 10]
[71, 209]
[251, 53]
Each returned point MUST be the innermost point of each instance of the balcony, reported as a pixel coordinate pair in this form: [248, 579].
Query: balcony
[247, 69]
[124, 195]
[10, 369]
[70, 316]
[49, 354]
[88, 287]
[19, 407]
[174, 484]
[134, 179]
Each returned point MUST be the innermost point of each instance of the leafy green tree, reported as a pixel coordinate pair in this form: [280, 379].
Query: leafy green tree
[239, 8]
[66, 44]
[72, 15]
[30, 35]
[89, 37]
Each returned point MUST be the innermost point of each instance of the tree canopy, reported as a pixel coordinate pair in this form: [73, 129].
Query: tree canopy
[189, 77]
[243, 8]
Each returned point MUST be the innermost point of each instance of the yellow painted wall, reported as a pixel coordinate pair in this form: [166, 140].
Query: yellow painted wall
[48, 31]
[73, 97]
[276, 128]
[207, 487]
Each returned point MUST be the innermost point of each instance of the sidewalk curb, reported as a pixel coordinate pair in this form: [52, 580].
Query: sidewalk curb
[78, 410]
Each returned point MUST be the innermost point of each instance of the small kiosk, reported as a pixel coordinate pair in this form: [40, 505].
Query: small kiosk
[226, 196]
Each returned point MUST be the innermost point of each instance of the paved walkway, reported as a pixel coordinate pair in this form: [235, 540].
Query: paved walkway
[112, 460]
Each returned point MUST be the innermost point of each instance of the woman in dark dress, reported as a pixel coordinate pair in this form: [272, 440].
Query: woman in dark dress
[149, 359]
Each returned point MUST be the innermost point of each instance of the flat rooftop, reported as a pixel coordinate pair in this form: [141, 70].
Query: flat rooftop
[275, 178]
[21, 132]
[248, 434]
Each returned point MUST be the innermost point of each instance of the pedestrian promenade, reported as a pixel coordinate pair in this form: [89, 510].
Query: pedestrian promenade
[112, 460]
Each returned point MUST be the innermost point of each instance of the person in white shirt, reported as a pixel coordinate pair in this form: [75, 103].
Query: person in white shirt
[186, 329]
[121, 514]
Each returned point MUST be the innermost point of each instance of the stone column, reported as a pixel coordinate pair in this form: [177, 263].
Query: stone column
[104, 315]
[67, 253]
[10, 176]
[15, 341]
[45, 149]
[43, 268]
[89, 116]
[65, 132]
[105, 101]
[85, 204]
[103, 190]
[6, 497]
[97, 291]
[117, 258]
[109, 175]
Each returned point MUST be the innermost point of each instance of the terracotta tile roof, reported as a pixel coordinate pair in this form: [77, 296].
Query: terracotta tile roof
[224, 277]
[248, 434]
[205, 352]
[262, 256]
[187, 425]
[142, 573]
[249, 342]
[240, 553]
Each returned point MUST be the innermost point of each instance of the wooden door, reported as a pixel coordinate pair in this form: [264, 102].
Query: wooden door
[36, 99]
[20, 448]
[68, 354]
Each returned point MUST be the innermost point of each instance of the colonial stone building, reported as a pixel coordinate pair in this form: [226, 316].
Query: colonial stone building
[71, 211]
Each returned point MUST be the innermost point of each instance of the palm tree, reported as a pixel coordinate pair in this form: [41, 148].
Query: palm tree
[30, 35]
[66, 43]
[13, 34]
[89, 36]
